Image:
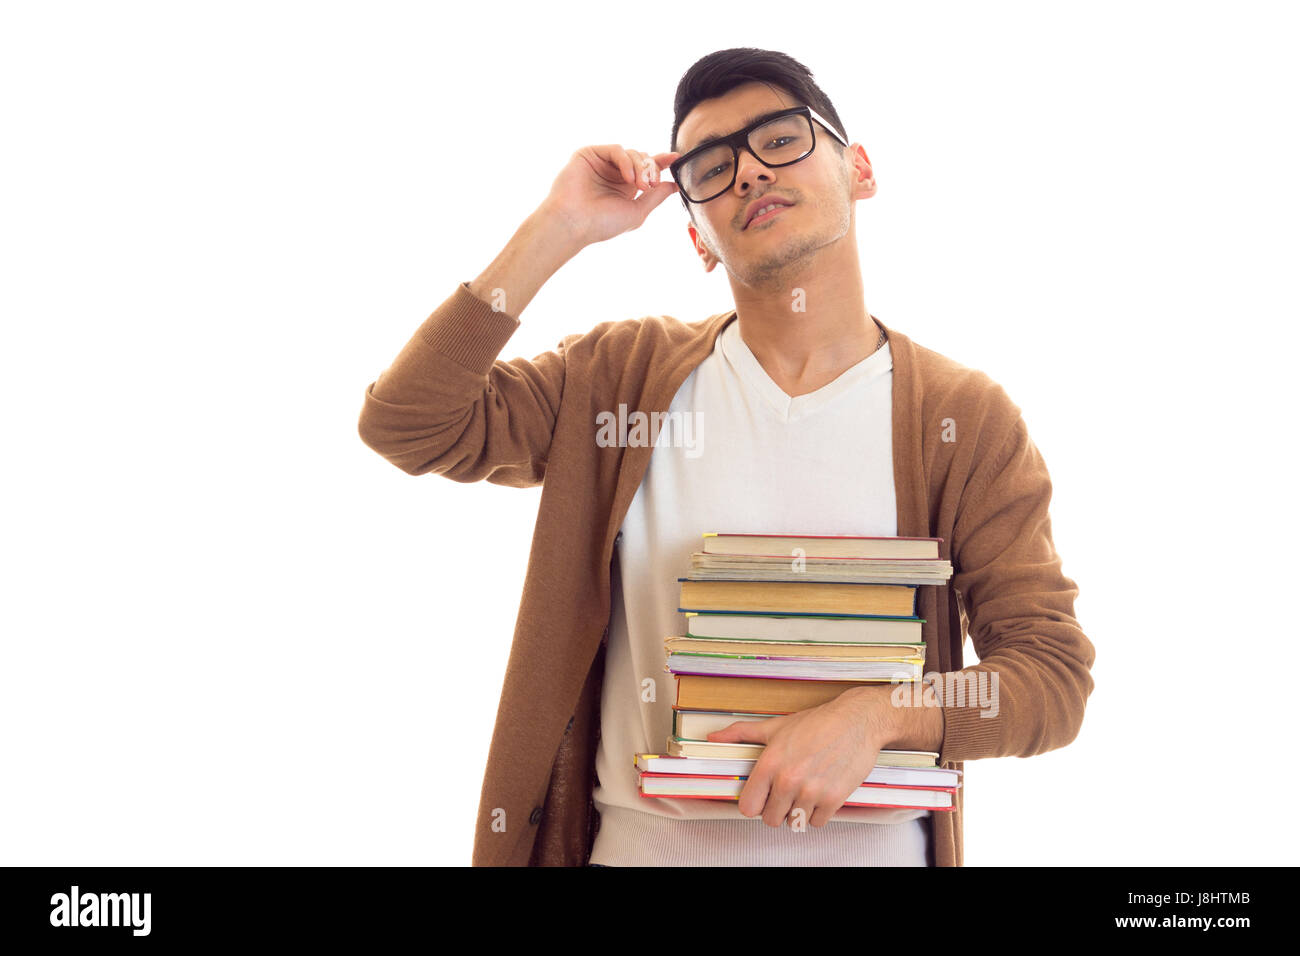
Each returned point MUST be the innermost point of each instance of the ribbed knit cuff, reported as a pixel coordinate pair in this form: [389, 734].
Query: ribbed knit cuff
[468, 331]
[967, 735]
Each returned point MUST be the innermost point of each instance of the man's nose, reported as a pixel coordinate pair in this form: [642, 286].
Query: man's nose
[749, 171]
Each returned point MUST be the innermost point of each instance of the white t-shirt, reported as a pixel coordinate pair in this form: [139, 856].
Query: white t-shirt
[737, 454]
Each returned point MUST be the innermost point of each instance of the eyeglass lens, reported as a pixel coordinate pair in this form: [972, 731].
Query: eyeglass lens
[783, 140]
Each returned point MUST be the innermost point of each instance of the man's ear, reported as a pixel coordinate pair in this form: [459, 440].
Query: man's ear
[864, 179]
[701, 249]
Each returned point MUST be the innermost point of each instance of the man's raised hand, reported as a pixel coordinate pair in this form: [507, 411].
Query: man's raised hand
[595, 194]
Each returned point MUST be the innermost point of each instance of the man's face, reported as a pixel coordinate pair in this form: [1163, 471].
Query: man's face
[821, 189]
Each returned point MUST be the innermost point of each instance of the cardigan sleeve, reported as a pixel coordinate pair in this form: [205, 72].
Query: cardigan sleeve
[448, 406]
[1034, 659]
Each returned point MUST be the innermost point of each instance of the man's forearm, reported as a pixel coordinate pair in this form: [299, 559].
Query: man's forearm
[918, 728]
[537, 250]
[903, 726]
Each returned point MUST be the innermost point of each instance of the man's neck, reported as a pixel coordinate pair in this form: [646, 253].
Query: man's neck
[808, 329]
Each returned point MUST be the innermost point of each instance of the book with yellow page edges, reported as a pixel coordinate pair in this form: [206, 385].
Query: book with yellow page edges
[778, 623]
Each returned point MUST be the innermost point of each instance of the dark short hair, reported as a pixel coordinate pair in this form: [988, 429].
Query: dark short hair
[720, 72]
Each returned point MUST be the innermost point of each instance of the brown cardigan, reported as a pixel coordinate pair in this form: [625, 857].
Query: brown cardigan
[965, 470]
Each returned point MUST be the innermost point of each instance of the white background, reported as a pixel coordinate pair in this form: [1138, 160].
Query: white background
[232, 634]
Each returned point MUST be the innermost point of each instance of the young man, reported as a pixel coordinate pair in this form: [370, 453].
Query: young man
[801, 413]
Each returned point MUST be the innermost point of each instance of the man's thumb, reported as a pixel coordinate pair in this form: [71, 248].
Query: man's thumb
[656, 194]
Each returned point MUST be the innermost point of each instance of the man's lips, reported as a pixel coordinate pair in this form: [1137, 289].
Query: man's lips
[766, 216]
[762, 203]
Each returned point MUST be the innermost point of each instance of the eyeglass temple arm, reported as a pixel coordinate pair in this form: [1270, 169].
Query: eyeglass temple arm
[825, 123]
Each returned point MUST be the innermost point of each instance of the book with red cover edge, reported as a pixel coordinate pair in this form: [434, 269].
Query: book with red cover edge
[904, 786]
[714, 796]
[729, 776]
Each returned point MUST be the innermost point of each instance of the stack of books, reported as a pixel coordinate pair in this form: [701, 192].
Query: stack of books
[779, 623]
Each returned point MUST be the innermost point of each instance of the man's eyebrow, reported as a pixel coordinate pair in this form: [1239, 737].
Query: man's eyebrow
[709, 137]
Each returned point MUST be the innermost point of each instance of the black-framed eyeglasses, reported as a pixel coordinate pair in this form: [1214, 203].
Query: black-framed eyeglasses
[776, 139]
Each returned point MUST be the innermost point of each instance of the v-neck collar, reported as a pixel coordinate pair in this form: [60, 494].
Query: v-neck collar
[787, 407]
[685, 355]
